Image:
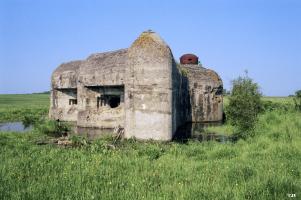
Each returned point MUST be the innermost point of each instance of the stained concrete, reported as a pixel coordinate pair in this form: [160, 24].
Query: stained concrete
[141, 89]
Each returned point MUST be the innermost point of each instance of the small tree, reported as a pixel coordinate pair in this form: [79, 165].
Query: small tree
[244, 105]
[297, 100]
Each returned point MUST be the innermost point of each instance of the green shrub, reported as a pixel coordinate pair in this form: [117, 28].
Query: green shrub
[153, 152]
[79, 141]
[53, 128]
[31, 119]
[268, 106]
[244, 105]
[297, 100]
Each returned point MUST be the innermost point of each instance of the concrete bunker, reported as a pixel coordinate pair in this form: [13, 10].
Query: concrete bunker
[140, 89]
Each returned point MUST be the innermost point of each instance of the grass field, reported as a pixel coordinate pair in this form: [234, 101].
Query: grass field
[266, 166]
[14, 107]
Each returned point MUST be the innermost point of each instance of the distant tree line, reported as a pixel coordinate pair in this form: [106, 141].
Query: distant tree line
[45, 92]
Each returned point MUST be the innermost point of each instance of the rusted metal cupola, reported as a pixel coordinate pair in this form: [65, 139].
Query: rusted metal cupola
[190, 59]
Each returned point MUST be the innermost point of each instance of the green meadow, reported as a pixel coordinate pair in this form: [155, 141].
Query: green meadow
[13, 107]
[266, 166]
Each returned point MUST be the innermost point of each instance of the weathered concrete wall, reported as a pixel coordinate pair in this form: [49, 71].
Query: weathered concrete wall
[95, 114]
[65, 76]
[205, 90]
[180, 97]
[148, 89]
[64, 84]
[104, 69]
[62, 108]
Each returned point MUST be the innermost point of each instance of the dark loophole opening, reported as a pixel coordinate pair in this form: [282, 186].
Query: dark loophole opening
[114, 102]
[189, 59]
[101, 101]
[219, 91]
[72, 101]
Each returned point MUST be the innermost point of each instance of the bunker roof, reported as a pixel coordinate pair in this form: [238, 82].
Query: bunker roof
[110, 58]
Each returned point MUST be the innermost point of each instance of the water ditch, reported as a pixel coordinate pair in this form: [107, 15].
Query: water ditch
[15, 127]
[196, 131]
[189, 131]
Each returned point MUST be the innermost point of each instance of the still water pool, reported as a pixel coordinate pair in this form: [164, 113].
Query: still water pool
[14, 127]
[196, 131]
[185, 132]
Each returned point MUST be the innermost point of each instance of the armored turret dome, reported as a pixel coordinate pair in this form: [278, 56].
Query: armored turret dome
[189, 59]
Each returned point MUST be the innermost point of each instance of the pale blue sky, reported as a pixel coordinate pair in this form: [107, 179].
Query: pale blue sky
[263, 36]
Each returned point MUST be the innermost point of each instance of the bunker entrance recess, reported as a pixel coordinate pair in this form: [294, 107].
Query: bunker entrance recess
[67, 96]
[108, 96]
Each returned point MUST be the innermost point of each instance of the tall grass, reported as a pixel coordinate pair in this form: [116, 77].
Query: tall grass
[266, 166]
